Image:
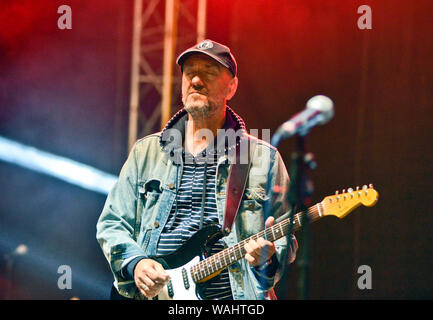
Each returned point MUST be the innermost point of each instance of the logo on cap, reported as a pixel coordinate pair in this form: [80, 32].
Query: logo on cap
[205, 45]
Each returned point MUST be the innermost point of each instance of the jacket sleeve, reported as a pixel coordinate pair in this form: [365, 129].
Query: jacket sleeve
[116, 228]
[278, 205]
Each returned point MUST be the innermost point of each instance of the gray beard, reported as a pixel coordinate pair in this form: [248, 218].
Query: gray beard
[199, 110]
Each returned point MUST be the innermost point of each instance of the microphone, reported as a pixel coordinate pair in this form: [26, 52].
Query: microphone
[319, 110]
[21, 250]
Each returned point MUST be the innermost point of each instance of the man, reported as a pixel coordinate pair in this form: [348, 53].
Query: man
[174, 183]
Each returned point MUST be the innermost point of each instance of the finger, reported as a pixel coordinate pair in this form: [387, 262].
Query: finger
[156, 275]
[250, 255]
[269, 222]
[266, 250]
[149, 283]
[295, 243]
[266, 244]
[142, 288]
[253, 245]
[155, 290]
[293, 249]
[250, 259]
[149, 288]
[249, 247]
[162, 273]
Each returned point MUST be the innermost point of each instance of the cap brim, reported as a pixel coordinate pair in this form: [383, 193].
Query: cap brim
[180, 60]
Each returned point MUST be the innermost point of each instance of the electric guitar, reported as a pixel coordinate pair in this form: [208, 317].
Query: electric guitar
[188, 270]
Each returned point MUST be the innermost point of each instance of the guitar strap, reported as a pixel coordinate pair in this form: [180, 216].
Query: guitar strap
[236, 183]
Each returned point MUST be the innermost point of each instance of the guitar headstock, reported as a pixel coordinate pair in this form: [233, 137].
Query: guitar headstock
[343, 203]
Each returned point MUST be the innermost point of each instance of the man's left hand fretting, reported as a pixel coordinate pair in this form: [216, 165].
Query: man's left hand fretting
[254, 248]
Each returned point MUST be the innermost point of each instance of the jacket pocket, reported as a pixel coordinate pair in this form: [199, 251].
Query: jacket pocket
[255, 193]
[251, 212]
[149, 193]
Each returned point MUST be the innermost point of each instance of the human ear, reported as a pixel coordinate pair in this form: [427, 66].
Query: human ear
[233, 86]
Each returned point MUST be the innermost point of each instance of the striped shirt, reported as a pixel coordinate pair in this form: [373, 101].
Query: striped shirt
[184, 220]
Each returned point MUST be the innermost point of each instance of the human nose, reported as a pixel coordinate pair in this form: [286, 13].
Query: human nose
[196, 81]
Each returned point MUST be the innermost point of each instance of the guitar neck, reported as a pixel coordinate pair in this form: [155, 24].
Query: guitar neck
[228, 256]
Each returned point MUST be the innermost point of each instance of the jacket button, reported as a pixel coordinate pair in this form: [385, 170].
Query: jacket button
[156, 224]
[251, 206]
[171, 185]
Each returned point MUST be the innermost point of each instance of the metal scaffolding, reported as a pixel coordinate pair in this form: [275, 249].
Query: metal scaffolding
[159, 28]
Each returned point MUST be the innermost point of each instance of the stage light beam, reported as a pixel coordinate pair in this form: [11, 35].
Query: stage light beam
[59, 167]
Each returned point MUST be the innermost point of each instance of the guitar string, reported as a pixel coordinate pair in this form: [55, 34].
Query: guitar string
[238, 250]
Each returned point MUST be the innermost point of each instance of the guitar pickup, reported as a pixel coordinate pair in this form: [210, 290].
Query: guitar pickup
[185, 278]
[170, 289]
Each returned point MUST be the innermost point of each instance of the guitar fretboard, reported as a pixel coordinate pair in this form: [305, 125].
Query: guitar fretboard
[227, 257]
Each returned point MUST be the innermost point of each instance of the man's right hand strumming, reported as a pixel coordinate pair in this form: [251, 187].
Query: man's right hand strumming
[150, 277]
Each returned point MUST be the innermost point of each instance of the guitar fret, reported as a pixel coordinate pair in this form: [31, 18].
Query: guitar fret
[237, 253]
[217, 260]
[225, 258]
[232, 257]
[202, 272]
[211, 267]
[273, 234]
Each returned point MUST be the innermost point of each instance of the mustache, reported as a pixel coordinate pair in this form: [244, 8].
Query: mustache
[203, 92]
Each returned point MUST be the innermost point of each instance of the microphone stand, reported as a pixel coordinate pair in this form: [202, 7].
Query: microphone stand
[299, 197]
[301, 190]
[9, 259]
[319, 111]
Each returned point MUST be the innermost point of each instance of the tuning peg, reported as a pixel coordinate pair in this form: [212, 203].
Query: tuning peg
[364, 187]
[350, 190]
[344, 191]
[357, 188]
[371, 186]
[336, 192]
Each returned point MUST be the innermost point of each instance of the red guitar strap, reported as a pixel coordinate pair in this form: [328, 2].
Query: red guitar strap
[236, 183]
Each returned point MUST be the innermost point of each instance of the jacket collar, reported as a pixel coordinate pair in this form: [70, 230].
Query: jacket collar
[172, 136]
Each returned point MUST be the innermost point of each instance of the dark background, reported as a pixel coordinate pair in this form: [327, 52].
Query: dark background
[67, 92]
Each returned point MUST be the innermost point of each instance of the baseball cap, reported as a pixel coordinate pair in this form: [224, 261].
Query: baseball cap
[213, 49]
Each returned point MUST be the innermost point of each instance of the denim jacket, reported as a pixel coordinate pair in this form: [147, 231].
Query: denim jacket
[138, 206]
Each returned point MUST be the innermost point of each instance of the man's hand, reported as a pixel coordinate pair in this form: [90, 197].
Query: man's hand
[254, 248]
[150, 277]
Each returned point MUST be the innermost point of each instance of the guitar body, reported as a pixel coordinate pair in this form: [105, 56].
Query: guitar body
[178, 266]
[179, 263]
[181, 285]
